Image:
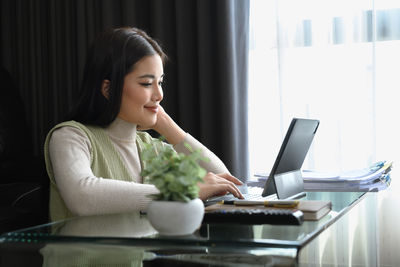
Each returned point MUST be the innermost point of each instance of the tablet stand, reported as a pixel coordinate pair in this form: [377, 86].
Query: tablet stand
[288, 185]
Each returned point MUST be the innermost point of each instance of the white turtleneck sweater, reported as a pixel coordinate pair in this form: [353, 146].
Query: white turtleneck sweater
[86, 194]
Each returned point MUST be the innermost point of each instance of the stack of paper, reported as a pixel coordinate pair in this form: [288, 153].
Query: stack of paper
[374, 178]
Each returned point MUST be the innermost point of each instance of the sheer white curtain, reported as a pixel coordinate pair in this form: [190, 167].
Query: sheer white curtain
[337, 61]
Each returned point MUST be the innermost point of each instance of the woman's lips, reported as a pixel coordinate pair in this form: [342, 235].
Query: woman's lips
[152, 108]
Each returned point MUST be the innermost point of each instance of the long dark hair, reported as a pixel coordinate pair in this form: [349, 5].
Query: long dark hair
[111, 56]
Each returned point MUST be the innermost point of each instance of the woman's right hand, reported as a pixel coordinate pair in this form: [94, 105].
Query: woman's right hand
[167, 127]
[219, 185]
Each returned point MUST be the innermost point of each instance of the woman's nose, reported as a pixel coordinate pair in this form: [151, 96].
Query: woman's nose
[157, 93]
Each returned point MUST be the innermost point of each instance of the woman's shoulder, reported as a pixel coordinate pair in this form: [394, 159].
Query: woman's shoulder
[76, 126]
[65, 136]
[68, 130]
[70, 124]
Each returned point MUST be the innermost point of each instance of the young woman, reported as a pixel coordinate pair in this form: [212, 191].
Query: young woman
[93, 159]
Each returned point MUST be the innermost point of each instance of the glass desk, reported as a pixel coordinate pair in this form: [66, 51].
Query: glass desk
[130, 240]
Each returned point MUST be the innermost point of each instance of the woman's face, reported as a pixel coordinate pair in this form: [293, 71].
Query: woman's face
[142, 92]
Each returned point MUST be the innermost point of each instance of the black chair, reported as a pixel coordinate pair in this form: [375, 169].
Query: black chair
[23, 178]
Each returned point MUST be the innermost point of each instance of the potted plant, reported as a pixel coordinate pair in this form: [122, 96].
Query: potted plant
[176, 209]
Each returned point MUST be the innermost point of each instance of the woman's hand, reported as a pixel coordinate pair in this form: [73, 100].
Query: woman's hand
[219, 185]
[161, 118]
[166, 127]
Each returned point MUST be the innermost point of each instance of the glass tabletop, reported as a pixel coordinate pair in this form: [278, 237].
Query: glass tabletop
[135, 229]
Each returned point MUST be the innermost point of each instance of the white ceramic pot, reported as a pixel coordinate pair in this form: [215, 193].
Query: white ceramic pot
[174, 217]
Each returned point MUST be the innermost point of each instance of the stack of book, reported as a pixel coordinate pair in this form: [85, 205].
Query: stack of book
[374, 178]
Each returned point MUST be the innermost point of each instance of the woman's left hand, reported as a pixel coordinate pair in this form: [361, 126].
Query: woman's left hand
[219, 185]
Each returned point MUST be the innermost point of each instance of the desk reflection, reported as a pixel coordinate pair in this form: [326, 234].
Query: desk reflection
[109, 229]
[112, 225]
[85, 254]
[81, 254]
[130, 240]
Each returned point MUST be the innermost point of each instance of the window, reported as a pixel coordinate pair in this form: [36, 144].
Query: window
[337, 61]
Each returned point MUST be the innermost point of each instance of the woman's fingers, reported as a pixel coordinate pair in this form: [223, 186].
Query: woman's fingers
[234, 190]
[218, 190]
[219, 185]
[222, 178]
[231, 178]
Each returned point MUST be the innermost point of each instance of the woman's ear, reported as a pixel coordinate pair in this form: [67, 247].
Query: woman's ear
[105, 88]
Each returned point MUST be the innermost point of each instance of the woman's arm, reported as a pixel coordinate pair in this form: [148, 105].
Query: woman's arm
[176, 136]
[214, 164]
[168, 128]
[81, 190]
[218, 180]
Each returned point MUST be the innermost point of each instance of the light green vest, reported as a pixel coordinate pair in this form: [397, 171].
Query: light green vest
[105, 161]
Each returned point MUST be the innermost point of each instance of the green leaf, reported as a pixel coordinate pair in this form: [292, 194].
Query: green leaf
[175, 175]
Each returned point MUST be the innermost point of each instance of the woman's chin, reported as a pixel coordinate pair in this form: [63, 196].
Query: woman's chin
[147, 124]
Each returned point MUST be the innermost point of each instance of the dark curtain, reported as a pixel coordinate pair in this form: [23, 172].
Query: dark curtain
[44, 44]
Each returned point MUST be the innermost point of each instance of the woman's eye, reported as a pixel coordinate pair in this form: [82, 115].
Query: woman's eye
[145, 84]
[160, 83]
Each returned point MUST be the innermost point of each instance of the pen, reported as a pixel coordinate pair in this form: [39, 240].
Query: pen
[266, 203]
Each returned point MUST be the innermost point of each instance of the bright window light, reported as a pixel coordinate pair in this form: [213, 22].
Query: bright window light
[337, 61]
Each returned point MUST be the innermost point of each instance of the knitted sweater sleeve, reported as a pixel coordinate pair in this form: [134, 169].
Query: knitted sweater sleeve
[81, 190]
[86, 194]
[214, 164]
